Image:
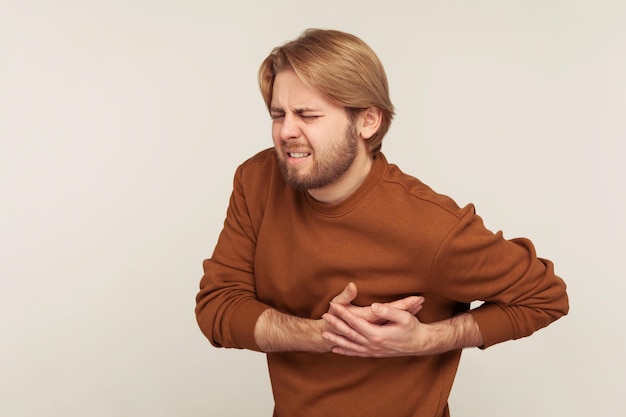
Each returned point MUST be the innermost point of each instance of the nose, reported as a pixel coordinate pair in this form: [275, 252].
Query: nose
[289, 127]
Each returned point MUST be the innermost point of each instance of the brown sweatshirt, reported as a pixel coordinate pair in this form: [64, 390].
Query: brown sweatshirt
[393, 237]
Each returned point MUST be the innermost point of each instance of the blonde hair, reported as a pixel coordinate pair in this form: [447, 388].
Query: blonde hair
[341, 66]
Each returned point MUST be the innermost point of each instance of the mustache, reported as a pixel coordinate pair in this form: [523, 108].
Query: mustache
[295, 146]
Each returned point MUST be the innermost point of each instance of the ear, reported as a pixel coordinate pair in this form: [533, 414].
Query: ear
[369, 121]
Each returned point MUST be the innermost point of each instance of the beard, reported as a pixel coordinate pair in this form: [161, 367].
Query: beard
[329, 164]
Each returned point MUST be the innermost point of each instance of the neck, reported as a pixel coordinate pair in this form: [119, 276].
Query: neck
[346, 185]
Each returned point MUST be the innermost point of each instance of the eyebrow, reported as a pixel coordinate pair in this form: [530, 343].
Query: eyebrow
[298, 111]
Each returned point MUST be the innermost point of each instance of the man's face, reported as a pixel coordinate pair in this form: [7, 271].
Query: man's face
[315, 142]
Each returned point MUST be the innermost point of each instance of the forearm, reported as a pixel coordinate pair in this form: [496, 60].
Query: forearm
[458, 332]
[279, 332]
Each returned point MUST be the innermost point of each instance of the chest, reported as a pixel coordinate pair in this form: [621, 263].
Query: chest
[304, 259]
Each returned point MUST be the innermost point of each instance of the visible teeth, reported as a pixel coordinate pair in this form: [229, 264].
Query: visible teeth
[298, 154]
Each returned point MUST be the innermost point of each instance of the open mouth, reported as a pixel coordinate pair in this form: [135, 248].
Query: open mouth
[298, 154]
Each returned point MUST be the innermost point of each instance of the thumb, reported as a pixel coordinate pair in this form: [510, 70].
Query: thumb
[387, 312]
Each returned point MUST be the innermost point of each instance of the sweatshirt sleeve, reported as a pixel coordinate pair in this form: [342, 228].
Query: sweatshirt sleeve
[520, 291]
[227, 307]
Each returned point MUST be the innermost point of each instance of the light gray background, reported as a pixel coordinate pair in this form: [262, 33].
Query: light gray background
[122, 122]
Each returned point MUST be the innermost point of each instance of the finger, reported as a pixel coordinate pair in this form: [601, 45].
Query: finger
[341, 331]
[389, 313]
[347, 295]
[411, 304]
[363, 353]
[416, 309]
[336, 325]
[360, 330]
[344, 346]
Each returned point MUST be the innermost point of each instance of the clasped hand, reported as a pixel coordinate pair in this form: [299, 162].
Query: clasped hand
[380, 330]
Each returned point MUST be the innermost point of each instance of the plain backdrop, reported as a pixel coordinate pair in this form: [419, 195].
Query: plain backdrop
[121, 125]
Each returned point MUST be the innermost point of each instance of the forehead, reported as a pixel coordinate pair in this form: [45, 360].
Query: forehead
[289, 91]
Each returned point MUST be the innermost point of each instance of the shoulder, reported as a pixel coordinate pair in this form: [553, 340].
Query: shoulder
[418, 193]
[260, 168]
[259, 178]
[262, 161]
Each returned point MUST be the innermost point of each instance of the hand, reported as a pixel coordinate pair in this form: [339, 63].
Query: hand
[377, 330]
[411, 304]
[384, 331]
[388, 331]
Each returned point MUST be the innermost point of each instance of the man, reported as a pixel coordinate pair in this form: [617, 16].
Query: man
[353, 277]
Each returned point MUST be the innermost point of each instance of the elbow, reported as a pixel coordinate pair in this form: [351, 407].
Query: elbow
[206, 320]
